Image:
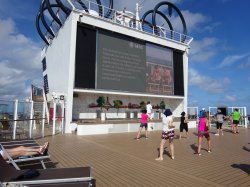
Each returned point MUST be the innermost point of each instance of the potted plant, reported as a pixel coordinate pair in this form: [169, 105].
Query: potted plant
[100, 102]
[142, 105]
[162, 106]
[117, 104]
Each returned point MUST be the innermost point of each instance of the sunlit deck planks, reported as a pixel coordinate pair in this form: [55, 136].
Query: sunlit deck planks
[119, 160]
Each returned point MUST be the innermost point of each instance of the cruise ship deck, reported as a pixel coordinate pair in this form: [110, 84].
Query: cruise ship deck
[120, 160]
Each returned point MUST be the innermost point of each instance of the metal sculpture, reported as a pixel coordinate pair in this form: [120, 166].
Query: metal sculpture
[48, 8]
[156, 12]
[47, 5]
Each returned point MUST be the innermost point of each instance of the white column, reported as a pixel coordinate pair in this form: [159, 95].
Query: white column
[15, 118]
[245, 116]
[43, 116]
[62, 117]
[31, 119]
[103, 117]
[54, 119]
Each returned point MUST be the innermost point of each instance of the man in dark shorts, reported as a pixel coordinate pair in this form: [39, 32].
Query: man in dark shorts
[236, 120]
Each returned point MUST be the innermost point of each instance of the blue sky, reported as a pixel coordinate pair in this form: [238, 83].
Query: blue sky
[219, 57]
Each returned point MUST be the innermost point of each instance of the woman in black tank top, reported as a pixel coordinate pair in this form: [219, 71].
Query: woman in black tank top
[183, 124]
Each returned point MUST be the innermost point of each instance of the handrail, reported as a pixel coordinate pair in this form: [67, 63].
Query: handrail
[96, 10]
[121, 18]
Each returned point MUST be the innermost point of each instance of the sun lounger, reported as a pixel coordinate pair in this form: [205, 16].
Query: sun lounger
[16, 143]
[26, 143]
[57, 176]
[78, 184]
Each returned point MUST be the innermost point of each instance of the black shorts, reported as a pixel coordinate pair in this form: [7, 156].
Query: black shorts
[236, 122]
[203, 133]
[183, 126]
[219, 125]
[144, 125]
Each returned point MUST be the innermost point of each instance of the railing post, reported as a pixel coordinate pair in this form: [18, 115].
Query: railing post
[31, 119]
[71, 4]
[43, 116]
[63, 117]
[153, 30]
[15, 118]
[54, 119]
[245, 116]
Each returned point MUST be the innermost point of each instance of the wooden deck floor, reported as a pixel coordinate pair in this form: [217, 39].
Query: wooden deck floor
[119, 160]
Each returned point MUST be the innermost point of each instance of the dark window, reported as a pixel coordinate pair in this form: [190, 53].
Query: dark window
[44, 64]
[85, 57]
[178, 73]
[46, 84]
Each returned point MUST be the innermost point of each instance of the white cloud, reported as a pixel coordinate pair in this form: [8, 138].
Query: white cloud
[203, 50]
[19, 61]
[231, 60]
[230, 98]
[193, 20]
[206, 83]
[245, 65]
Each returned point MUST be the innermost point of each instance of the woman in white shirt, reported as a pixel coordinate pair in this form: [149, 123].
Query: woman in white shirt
[167, 133]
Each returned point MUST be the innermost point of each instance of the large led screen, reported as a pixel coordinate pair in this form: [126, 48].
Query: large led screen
[110, 61]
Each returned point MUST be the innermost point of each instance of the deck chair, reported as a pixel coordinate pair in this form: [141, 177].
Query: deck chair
[78, 184]
[53, 177]
[26, 143]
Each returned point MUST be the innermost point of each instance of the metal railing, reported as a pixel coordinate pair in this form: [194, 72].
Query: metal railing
[127, 19]
[28, 118]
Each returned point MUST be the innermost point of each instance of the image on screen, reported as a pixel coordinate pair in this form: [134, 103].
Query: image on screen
[159, 74]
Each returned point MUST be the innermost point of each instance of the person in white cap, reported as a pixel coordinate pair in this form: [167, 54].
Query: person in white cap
[219, 121]
[167, 134]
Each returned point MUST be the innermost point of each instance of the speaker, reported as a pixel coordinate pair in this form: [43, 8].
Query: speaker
[223, 110]
[61, 97]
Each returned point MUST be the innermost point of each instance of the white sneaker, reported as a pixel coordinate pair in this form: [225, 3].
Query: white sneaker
[216, 134]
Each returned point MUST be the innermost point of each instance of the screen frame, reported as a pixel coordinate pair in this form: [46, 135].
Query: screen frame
[124, 92]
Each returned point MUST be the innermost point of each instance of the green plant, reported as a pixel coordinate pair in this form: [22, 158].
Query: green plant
[117, 104]
[100, 101]
[142, 105]
[162, 105]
